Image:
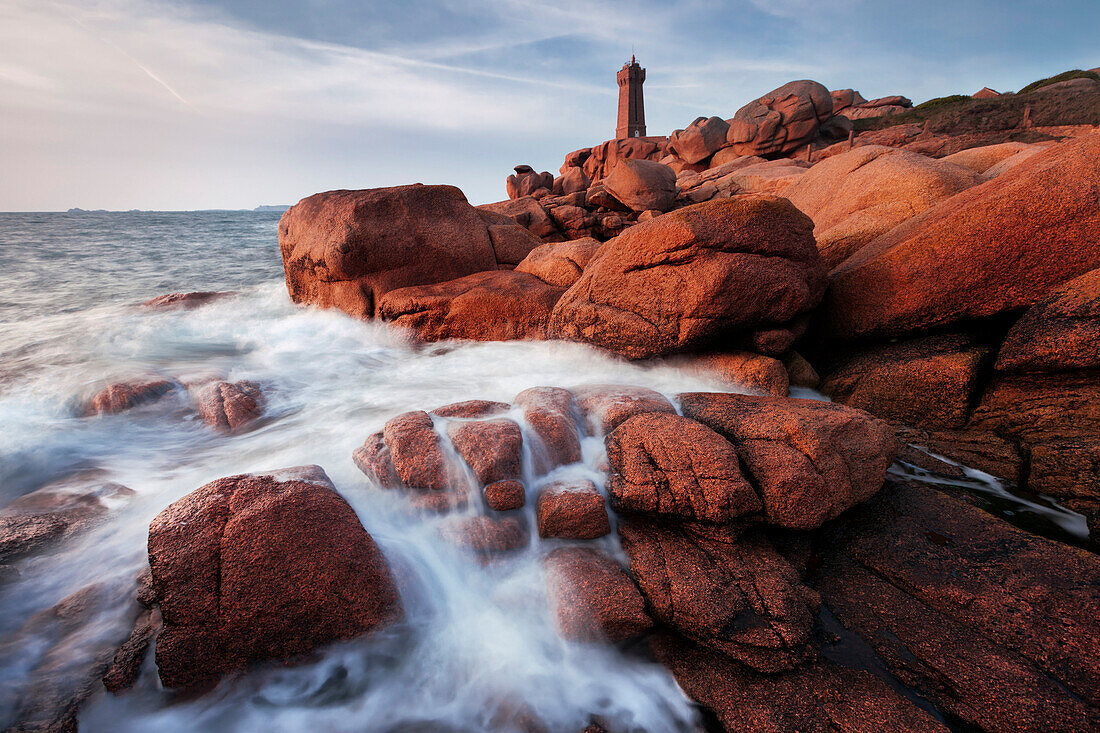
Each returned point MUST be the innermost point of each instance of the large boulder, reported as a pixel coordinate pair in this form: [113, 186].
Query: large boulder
[667, 465]
[642, 185]
[808, 460]
[774, 177]
[500, 305]
[122, 396]
[701, 139]
[695, 276]
[493, 449]
[229, 406]
[559, 264]
[528, 213]
[858, 195]
[996, 247]
[550, 414]
[511, 241]
[572, 510]
[733, 593]
[1060, 333]
[782, 120]
[984, 157]
[604, 407]
[262, 566]
[346, 249]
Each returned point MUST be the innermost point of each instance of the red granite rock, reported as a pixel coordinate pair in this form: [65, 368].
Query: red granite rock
[571, 510]
[592, 597]
[122, 396]
[549, 411]
[504, 496]
[493, 449]
[664, 464]
[262, 566]
[229, 406]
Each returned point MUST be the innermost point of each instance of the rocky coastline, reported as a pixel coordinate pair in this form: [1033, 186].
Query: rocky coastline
[796, 563]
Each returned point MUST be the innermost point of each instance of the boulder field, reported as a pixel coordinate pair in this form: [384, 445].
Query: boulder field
[770, 561]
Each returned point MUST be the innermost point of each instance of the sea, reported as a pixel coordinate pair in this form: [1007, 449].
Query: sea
[477, 641]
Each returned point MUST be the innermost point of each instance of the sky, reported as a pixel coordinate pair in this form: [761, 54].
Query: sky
[189, 104]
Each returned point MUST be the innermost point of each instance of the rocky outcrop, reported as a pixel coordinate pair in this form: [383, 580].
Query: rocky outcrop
[185, 301]
[732, 593]
[958, 606]
[758, 373]
[780, 121]
[511, 242]
[930, 382]
[876, 107]
[999, 246]
[592, 597]
[671, 466]
[262, 566]
[502, 305]
[699, 274]
[347, 249]
[809, 460]
[982, 158]
[700, 140]
[856, 196]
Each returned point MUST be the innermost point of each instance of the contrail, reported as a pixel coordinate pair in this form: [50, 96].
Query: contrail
[136, 63]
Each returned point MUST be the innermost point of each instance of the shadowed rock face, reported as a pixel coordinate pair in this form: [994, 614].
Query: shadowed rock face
[346, 249]
[593, 598]
[733, 593]
[262, 566]
[698, 274]
[1060, 333]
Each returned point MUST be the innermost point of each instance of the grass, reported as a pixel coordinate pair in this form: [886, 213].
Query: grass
[943, 101]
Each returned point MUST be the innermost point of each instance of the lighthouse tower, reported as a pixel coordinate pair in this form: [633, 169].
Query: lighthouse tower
[631, 110]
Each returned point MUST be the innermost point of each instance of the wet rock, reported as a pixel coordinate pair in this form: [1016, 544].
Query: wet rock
[493, 449]
[416, 451]
[858, 195]
[808, 460]
[35, 521]
[642, 185]
[927, 382]
[822, 696]
[346, 249]
[559, 264]
[959, 605]
[992, 248]
[185, 301]
[504, 496]
[126, 665]
[733, 593]
[605, 406]
[484, 536]
[800, 373]
[550, 413]
[63, 653]
[487, 306]
[694, 276]
[1060, 333]
[472, 409]
[122, 396]
[668, 465]
[592, 597]
[761, 374]
[229, 406]
[780, 121]
[974, 448]
[373, 459]
[262, 566]
[571, 510]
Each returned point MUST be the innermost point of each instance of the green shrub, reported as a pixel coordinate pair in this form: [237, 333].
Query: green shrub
[943, 101]
[1064, 76]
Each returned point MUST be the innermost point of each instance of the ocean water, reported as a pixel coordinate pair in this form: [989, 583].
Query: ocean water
[477, 640]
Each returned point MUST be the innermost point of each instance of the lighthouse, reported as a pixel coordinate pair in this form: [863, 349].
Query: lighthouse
[631, 110]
